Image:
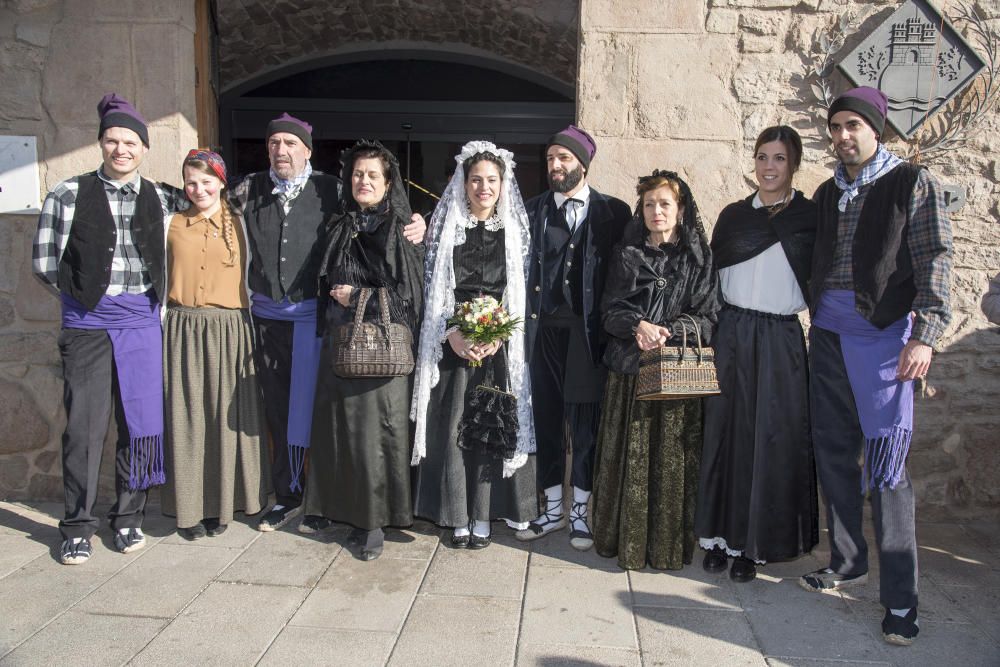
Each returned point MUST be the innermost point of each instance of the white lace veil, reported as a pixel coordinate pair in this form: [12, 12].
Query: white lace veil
[446, 231]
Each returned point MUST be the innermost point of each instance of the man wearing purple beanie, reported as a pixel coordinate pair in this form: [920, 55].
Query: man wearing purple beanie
[879, 299]
[286, 210]
[100, 246]
[573, 229]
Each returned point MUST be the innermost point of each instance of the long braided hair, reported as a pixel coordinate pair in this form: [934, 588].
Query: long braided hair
[208, 162]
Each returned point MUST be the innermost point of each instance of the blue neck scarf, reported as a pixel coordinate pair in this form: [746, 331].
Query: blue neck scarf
[881, 163]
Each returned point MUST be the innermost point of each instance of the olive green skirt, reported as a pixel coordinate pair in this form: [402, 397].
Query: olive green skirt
[646, 478]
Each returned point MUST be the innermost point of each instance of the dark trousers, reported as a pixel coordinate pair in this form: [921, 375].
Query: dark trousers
[566, 392]
[839, 442]
[91, 385]
[274, 363]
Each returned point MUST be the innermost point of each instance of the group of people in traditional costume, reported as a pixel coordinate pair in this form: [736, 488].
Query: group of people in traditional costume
[208, 319]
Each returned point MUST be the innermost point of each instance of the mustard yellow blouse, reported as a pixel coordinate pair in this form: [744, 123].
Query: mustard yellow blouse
[197, 262]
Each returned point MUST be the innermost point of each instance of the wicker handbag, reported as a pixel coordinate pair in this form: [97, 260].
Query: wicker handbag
[373, 349]
[670, 373]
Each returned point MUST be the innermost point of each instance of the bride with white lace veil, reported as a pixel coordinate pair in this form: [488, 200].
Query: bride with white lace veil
[477, 245]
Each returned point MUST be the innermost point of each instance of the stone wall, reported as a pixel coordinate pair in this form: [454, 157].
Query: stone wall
[58, 58]
[689, 89]
[258, 36]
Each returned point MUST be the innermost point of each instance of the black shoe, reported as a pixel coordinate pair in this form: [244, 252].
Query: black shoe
[372, 542]
[213, 527]
[312, 524]
[128, 540]
[900, 630]
[828, 580]
[75, 551]
[278, 517]
[716, 560]
[742, 570]
[356, 536]
[195, 532]
[459, 541]
[479, 541]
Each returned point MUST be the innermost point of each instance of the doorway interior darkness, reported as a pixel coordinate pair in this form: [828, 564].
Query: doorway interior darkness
[422, 106]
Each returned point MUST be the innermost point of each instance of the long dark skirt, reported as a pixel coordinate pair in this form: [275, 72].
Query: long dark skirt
[359, 458]
[454, 485]
[646, 478]
[758, 476]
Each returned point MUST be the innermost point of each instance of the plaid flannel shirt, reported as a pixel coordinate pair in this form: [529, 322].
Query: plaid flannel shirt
[128, 271]
[929, 241]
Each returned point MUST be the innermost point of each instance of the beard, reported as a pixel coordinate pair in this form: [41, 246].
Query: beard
[569, 181]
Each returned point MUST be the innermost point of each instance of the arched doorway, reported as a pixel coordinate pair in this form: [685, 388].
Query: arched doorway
[422, 104]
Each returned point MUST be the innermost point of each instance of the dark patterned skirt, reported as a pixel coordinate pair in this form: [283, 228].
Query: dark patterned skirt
[758, 478]
[646, 478]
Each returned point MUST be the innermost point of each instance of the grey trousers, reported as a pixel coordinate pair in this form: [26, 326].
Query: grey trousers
[91, 386]
[838, 441]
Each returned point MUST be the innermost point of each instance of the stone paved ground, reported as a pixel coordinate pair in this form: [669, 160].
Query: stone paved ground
[284, 599]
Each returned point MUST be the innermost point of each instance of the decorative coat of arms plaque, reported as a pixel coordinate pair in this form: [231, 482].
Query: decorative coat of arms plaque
[917, 59]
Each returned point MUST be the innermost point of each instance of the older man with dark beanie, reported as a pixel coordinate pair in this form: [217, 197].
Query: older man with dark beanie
[100, 245]
[573, 229]
[879, 299]
[286, 210]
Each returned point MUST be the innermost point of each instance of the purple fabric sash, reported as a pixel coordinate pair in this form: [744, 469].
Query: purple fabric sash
[885, 405]
[132, 322]
[305, 369]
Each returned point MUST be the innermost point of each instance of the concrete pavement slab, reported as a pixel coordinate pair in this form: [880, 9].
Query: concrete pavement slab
[945, 644]
[584, 607]
[19, 550]
[161, 583]
[696, 637]
[789, 621]
[44, 588]
[497, 571]
[554, 550]
[985, 533]
[418, 543]
[980, 605]
[691, 587]
[228, 624]
[934, 605]
[442, 631]
[781, 661]
[321, 646]
[284, 559]
[564, 655]
[80, 638]
[355, 595]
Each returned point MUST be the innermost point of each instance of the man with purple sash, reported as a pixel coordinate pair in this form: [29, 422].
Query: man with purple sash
[286, 210]
[100, 244]
[879, 300]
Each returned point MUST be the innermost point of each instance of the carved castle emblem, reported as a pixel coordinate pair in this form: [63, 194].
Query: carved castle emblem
[917, 59]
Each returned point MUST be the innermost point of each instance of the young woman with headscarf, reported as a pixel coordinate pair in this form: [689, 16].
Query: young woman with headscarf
[757, 496]
[359, 471]
[216, 447]
[646, 475]
[478, 245]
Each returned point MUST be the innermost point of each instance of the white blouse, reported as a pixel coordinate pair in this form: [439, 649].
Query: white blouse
[765, 282]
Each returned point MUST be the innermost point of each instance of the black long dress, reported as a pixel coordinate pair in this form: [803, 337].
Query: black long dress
[757, 493]
[453, 485]
[359, 461]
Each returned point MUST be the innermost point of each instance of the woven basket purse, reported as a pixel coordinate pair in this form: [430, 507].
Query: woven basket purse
[373, 349]
[670, 373]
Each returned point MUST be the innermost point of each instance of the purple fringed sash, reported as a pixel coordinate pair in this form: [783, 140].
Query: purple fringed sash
[885, 405]
[133, 325]
[305, 369]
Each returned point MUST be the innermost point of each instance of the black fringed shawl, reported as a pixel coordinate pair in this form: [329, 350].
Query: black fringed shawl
[743, 232]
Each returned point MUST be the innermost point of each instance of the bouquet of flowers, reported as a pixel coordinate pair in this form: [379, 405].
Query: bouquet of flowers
[484, 321]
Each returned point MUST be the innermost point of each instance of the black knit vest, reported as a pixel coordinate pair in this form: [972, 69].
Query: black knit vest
[881, 264]
[285, 247]
[85, 267]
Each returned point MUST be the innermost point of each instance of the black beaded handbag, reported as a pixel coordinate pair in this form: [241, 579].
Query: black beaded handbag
[489, 420]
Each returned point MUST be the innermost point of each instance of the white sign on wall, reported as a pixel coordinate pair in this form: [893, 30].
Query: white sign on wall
[19, 186]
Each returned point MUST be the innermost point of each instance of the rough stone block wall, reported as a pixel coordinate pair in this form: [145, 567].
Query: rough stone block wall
[690, 88]
[58, 58]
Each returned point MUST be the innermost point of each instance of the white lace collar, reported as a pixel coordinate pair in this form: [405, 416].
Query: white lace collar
[493, 223]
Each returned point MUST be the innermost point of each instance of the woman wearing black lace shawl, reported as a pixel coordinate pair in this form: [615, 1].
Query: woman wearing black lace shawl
[648, 451]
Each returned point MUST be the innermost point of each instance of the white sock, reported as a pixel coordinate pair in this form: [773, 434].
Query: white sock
[578, 518]
[481, 528]
[902, 614]
[554, 501]
[461, 531]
